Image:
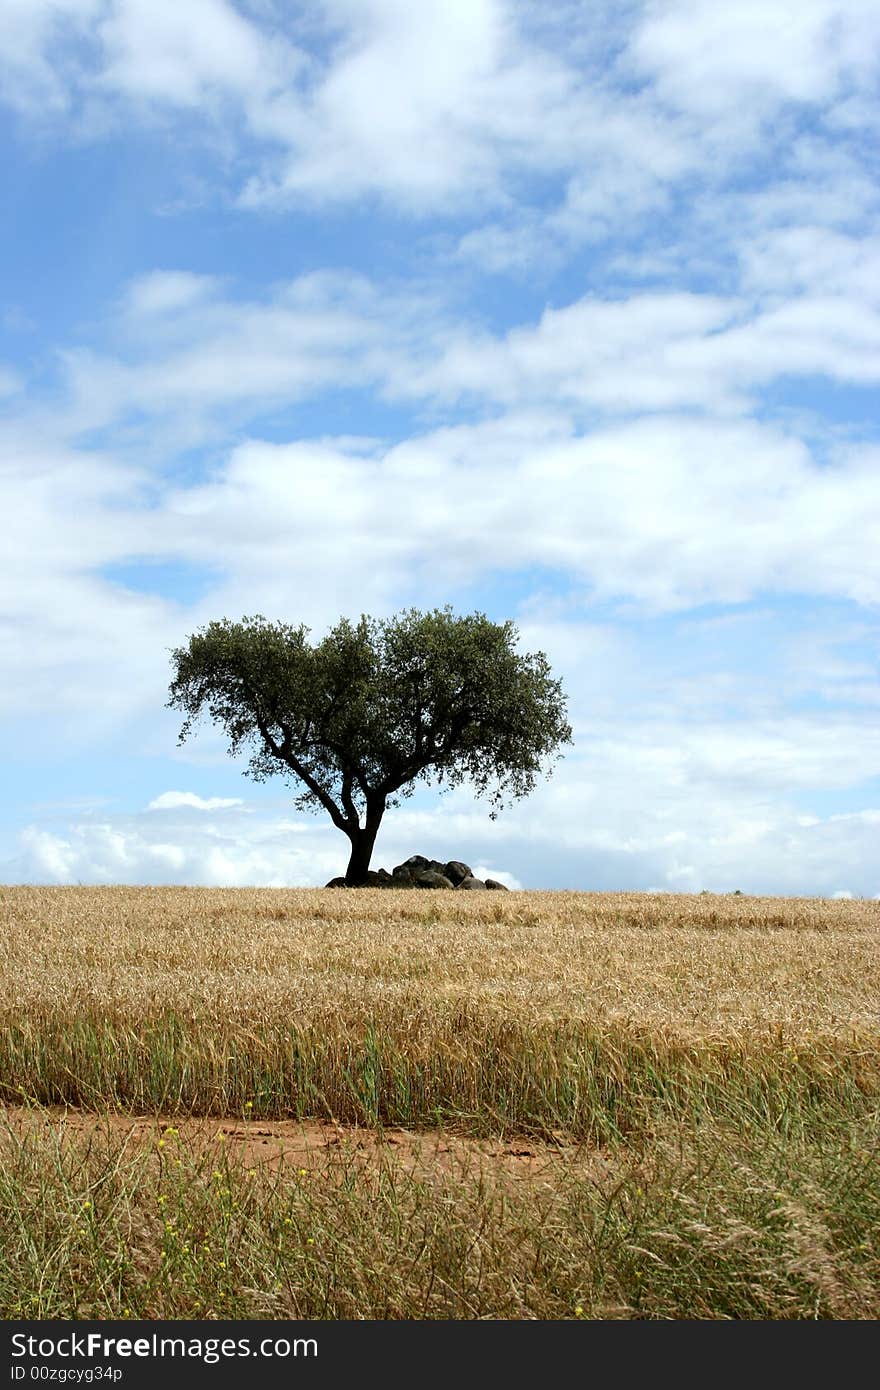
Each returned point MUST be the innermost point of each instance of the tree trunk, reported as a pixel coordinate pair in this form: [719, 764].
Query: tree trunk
[362, 842]
[363, 838]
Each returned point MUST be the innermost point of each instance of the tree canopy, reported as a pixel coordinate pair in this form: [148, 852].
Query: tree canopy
[360, 717]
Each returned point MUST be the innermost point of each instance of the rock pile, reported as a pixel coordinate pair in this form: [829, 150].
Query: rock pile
[419, 872]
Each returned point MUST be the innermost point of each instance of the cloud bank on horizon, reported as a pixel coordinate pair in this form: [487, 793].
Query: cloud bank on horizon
[567, 313]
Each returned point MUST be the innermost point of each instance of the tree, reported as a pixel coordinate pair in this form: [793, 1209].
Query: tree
[370, 710]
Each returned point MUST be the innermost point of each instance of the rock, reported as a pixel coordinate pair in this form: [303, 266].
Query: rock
[407, 872]
[429, 878]
[456, 870]
[419, 872]
[377, 878]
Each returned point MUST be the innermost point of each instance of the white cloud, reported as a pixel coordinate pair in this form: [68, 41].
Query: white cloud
[743, 61]
[34, 75]
[168, 291]
[811, 259]
[513, 249]
[188, 354]
[538, 129]
[197, 363]
[127, 851]
[451, 103]
[190, 363]
[174, 801]
[424, 105]
[648, 352]
[658, 351]
[669, 512]
[188, 55]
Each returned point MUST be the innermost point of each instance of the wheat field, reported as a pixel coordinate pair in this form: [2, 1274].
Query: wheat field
[720, 1055]
[693, 966]
[538, 1009]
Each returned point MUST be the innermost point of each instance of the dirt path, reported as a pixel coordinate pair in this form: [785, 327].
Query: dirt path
[312, 1144]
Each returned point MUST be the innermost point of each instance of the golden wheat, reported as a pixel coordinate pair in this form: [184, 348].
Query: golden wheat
[695, 967]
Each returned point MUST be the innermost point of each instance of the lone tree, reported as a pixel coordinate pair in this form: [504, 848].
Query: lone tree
[371, 709]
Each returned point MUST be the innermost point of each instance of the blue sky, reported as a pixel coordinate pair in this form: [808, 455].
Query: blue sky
[569, 313]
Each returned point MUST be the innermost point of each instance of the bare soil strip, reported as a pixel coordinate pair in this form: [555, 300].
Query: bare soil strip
[314, 1145]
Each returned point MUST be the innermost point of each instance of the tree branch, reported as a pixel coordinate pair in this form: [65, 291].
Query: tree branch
[284, 752]
[348, 804]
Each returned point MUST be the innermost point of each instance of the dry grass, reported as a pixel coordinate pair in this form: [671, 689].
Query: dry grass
[718, 1222]
[722, 1053]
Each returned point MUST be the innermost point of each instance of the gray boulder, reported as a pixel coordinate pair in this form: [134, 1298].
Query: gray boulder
[336, 883]
[457, 871]
[470, 883]
[493, 883]
[429, 878]
[407, 872]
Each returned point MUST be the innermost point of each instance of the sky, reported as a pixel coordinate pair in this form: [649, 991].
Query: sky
[567, 313]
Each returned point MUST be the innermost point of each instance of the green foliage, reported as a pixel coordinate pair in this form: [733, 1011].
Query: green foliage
[373, 708]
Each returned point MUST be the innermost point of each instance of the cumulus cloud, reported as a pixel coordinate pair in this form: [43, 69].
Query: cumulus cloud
[670, 512]
[126, 851]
